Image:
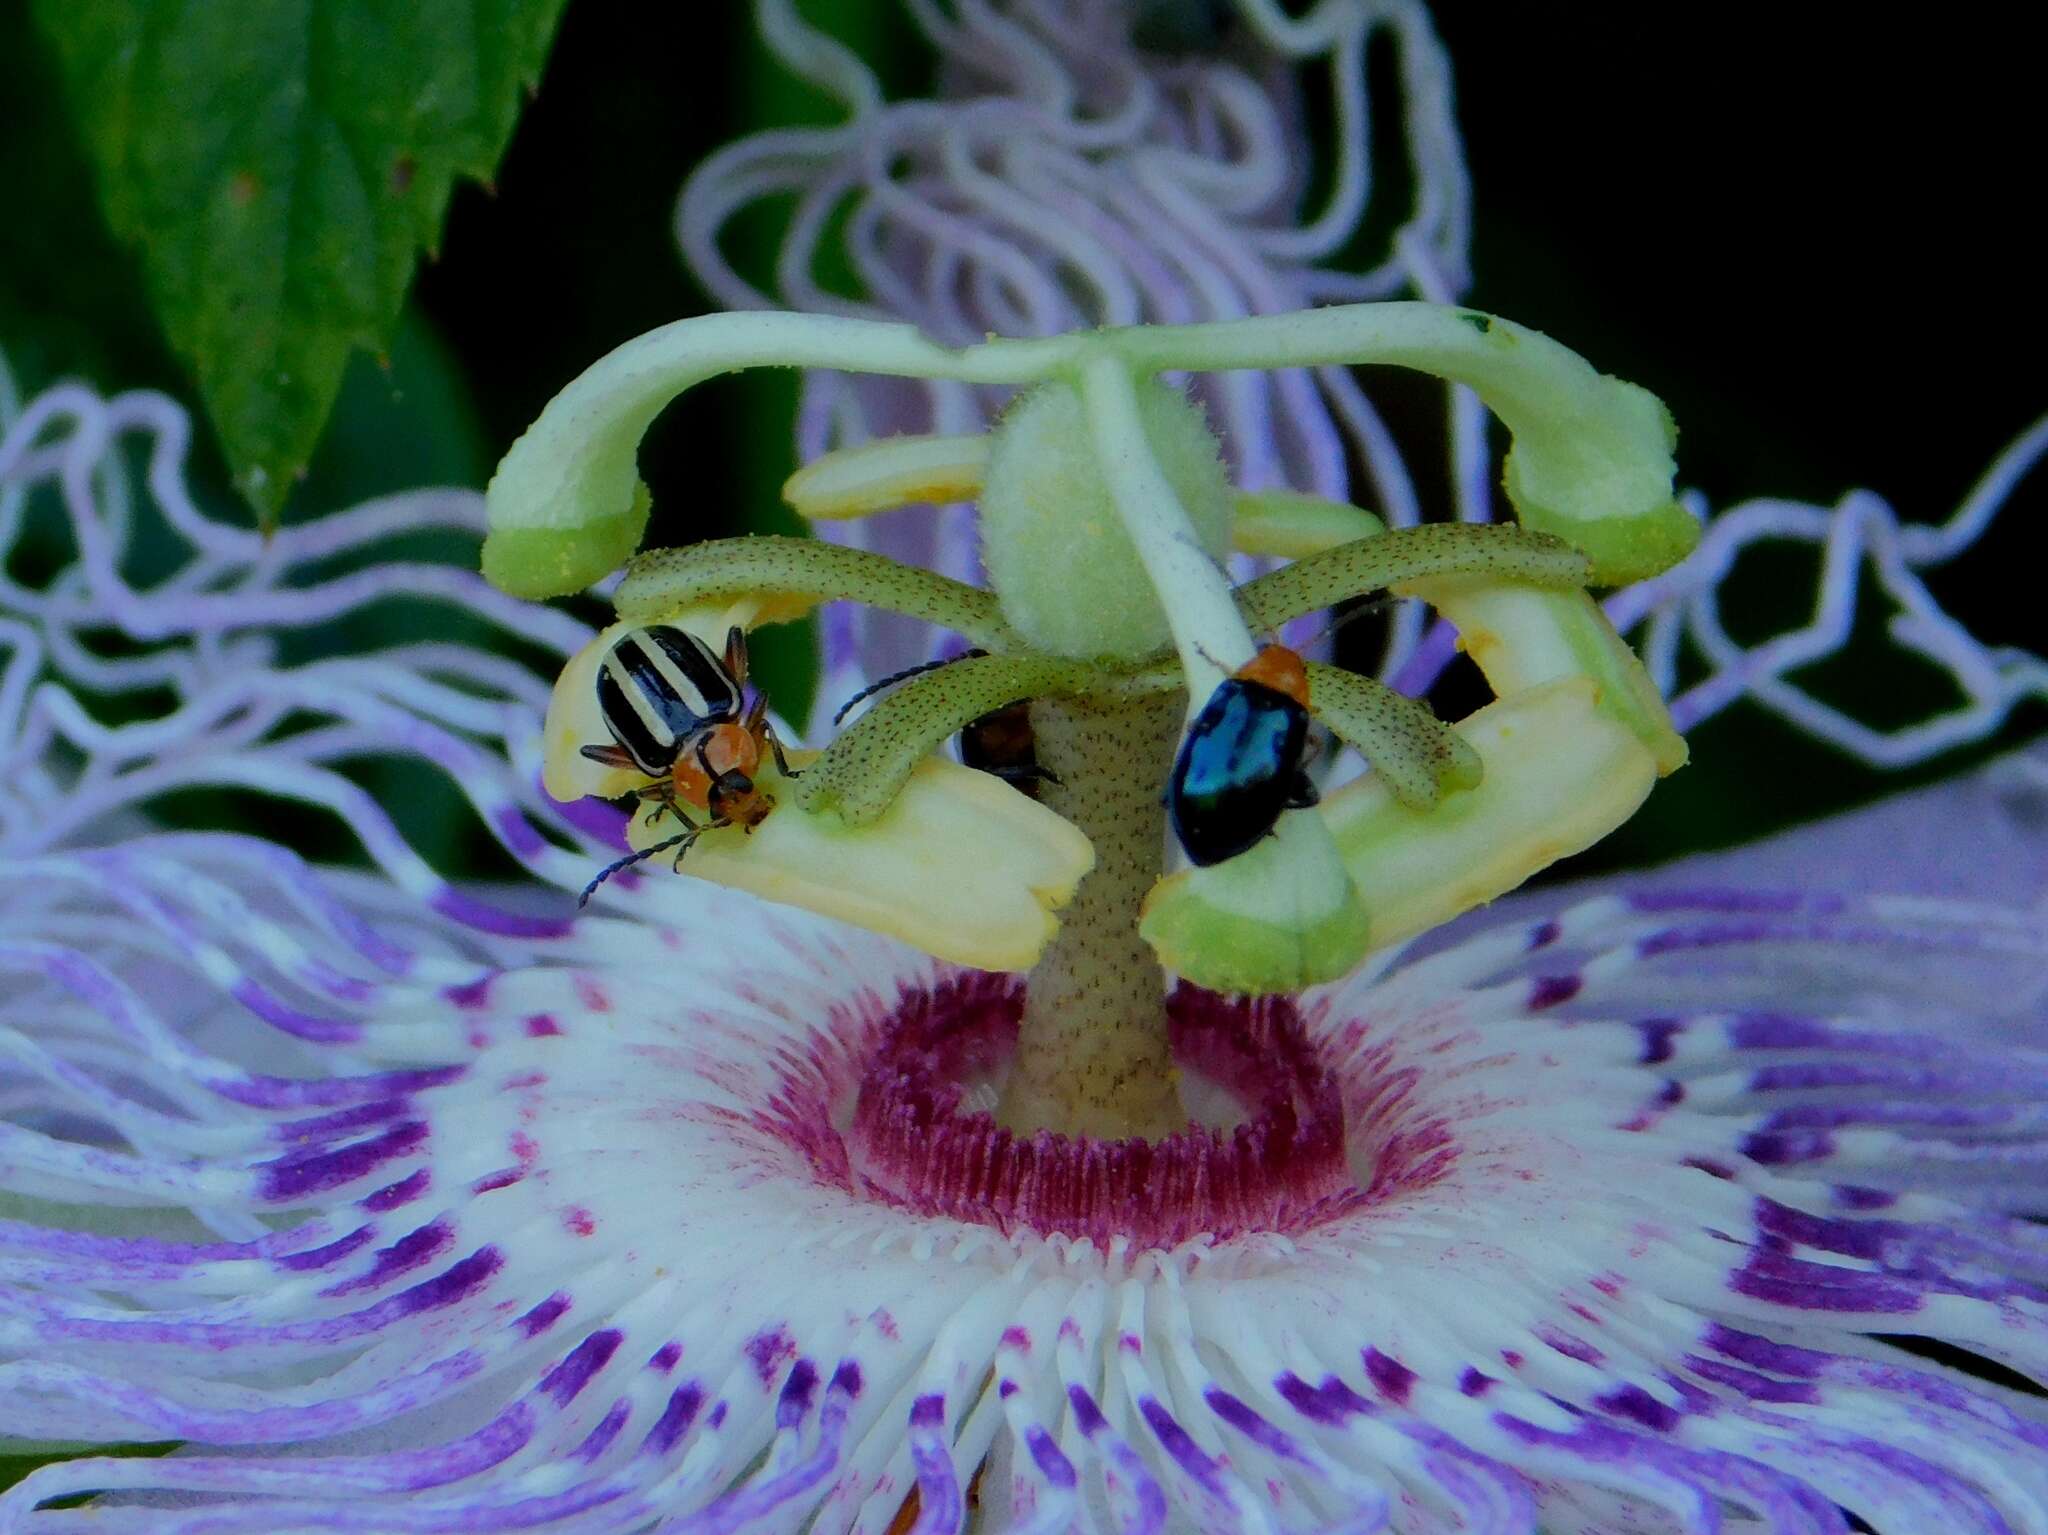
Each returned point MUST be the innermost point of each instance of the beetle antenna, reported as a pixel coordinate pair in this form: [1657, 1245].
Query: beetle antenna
[1364, 608]
[903, 676]
[628, 861]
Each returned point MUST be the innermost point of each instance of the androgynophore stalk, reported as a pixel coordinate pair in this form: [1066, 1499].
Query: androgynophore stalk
[1092, 1054]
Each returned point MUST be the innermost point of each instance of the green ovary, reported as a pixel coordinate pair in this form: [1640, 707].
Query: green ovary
[1068, 576]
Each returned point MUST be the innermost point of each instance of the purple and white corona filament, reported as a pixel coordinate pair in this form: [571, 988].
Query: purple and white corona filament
[492, 1224]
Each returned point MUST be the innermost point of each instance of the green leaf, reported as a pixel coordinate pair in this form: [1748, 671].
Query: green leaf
[281, 165]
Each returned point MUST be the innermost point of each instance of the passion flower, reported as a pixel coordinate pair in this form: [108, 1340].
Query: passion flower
[1690, 1203]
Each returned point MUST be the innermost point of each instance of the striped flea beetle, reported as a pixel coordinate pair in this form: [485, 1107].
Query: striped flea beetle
[677, 712]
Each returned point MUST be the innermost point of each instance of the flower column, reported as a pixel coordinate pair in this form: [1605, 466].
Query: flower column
[1105, 516]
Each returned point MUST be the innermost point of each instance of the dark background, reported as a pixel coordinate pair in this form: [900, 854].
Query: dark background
[1812, 237]
[1809, 231]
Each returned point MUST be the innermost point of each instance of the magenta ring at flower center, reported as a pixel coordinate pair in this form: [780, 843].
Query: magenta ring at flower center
[898, 1082]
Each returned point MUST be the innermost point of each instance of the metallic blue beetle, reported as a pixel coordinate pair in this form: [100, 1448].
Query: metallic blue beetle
[1240, 764]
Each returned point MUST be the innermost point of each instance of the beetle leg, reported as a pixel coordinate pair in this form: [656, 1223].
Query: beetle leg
[689, 839]
[665, 795]
[736, 654]
[662, 793]
[782, 766]
[610, 756]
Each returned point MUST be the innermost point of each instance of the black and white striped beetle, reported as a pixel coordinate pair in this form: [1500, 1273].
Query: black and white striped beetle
[677, 712]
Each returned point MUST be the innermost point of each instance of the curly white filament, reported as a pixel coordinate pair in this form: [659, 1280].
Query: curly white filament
[210, 631]
[1861, 530]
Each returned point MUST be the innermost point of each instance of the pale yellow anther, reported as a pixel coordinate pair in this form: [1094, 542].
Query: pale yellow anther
[887, 473]
[1560, 775]
[1283, 915]
[1522, 638]
[961, 866]
[1288, 525]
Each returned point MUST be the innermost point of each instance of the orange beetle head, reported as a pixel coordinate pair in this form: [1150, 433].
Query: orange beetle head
[736, 798]
[734, 756]
[1278, 668]
[714, 765]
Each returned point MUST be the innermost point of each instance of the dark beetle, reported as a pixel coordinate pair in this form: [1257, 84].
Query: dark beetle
[999, 743]
[1240, 763]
